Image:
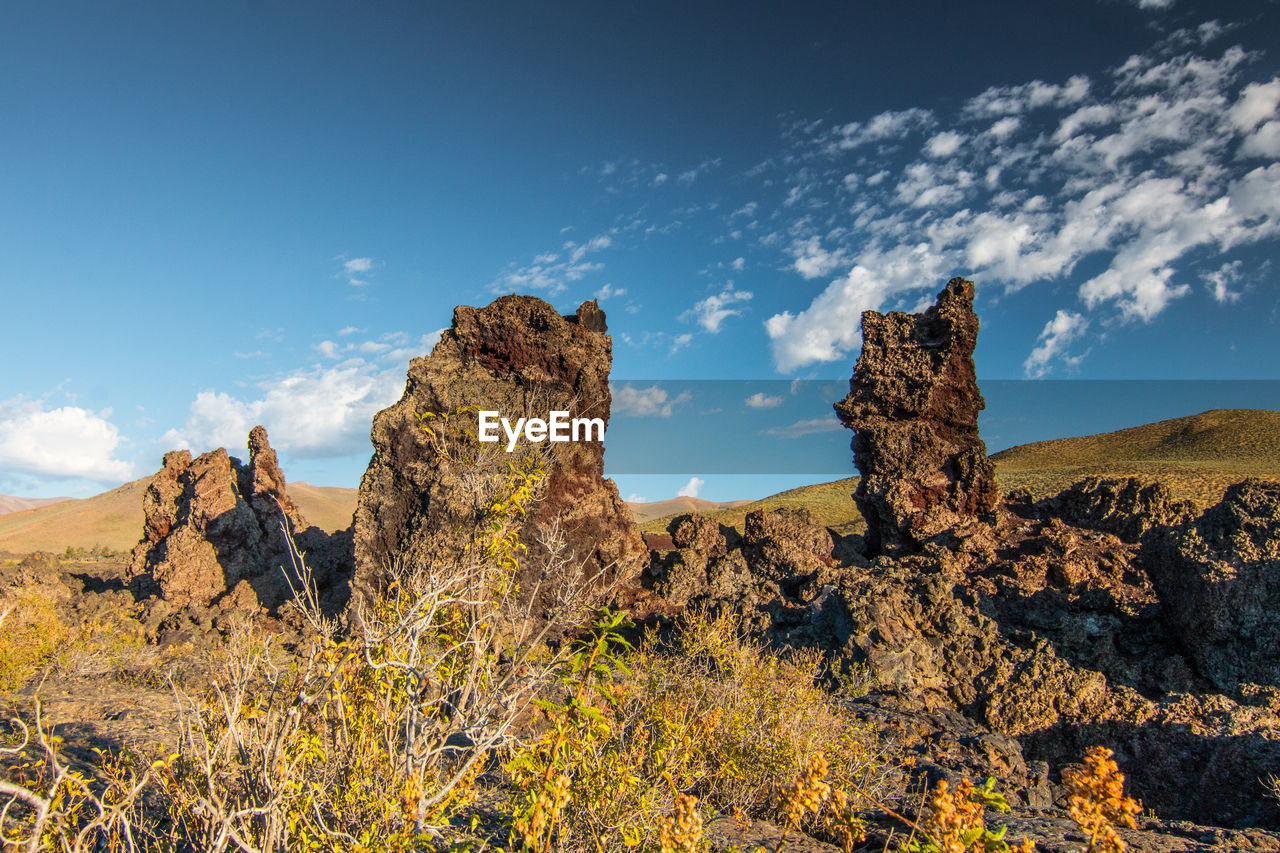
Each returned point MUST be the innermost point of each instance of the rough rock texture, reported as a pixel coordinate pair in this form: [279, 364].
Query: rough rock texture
[211, 533]
[913, 404]
[519, 357]
[1012, 647]
[1219, 580]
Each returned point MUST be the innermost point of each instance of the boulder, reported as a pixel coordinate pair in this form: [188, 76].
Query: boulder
[430, 487]
[913, 405]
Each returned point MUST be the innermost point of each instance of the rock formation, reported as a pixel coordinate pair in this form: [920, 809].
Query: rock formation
[913, 405]
[212, 532]
[424, 491]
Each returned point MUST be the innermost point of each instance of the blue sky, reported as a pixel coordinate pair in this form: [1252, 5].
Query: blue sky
[220, 214]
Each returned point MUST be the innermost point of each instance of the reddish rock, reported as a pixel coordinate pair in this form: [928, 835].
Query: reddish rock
[423, 496]
[212, 523]
[913, 405]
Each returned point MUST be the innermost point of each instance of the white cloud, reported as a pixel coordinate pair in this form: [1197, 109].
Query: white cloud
[761, 400]
[813, 260]
[711, 312]
[889, 126]
[832, 324]
[1141, 171]
[691, 488]
[653, 401]
[1220, 281]
[681, 341]
[634, 498]
[1257, 103]
[1157, 5]
[690, 175]
[944, 144]
[347, 330]
[64, 443]
[358, 265]
[739, 264]
[551, 271]
[660, 179]
[319, 412]
[608, 291]
[1057, 335]
[811, 426]
[328, 349]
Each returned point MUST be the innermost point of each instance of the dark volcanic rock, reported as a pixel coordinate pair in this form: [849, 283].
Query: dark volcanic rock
[1219, 581]
[1127, 508]
[913, 405]
[420, 498]
[212, 532]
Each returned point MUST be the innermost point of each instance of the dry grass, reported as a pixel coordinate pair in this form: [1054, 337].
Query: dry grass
[1197, 457]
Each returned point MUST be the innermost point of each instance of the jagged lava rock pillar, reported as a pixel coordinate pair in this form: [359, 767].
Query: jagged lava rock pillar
[913, 405]
[211, 523]
[520, 357]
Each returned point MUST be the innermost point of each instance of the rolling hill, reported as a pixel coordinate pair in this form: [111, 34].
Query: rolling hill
[114, 519]
[11, 504]
[1197, 456]
[643, 512]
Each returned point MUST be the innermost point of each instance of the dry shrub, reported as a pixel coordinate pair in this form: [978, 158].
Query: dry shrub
[720, 718]
[30, 633]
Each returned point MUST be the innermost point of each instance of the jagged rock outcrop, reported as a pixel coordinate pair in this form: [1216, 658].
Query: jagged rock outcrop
[420, 497]
[913, 405]
[1022, 642]
[1219, 580]
[1127, 508]
[212, 532]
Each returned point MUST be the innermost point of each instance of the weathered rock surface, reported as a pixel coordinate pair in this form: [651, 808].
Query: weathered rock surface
[422, 494]
[212, 533]
[913, 405]
[1019, 644]
[1219, 580]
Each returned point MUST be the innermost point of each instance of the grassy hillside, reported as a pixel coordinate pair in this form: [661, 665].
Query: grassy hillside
[114, 519]
[1196, 456]
[830, 504]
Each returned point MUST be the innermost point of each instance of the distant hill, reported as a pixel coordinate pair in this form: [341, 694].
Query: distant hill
[830, 504]
[11, 504]
[643, 512]
[1197, 456]
[327, 507]
[114, 519]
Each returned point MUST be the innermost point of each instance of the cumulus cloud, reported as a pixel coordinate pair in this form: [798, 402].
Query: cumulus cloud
[711, 312]
[653, 401]
[319, 412]
[68, 442]
[761, 400]
[1143, 170]
[944, 144]
[1057, 335]
[691, 488]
